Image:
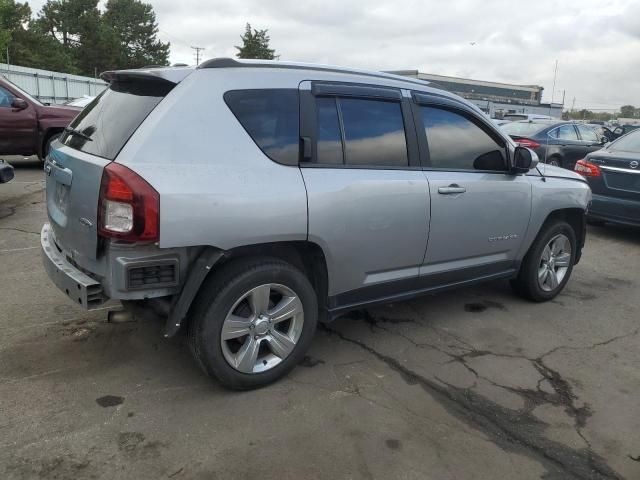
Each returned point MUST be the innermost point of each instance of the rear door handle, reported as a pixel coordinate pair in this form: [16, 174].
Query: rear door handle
[451, 189]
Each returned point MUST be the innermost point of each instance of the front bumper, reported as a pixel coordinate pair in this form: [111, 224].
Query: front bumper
[617, 210]
[78, 286]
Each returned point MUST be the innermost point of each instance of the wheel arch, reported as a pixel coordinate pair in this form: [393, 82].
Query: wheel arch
[306, 256]
[573, 216]
[44, 138]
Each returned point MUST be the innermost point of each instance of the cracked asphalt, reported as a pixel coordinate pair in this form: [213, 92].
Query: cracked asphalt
[471, 384]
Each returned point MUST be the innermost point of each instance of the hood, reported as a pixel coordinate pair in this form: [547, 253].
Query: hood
[57, 116]
[547, 170]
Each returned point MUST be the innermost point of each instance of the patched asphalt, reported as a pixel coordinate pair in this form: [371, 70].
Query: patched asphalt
[471, 384]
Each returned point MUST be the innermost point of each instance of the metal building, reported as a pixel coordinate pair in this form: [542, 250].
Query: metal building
[51, 87]
[494, 98]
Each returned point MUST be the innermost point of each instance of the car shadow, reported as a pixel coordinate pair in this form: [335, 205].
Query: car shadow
[610, 231]
[23, 163]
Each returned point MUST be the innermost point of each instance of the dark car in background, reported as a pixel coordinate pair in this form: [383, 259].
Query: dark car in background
[613, 174]
[557, 143]
[624, 129]
[27, 126]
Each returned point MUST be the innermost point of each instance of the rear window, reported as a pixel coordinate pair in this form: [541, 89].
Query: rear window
[515, 117]
[271, 118]
[107, 123]
[522, 128]
[628, 143]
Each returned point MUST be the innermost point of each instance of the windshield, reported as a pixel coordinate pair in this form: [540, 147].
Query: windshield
[628, 143]
[522, 128]
[24, 95]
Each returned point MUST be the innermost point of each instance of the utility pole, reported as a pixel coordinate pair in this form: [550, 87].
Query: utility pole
[555, 74]
[198, 50]
[573, 104]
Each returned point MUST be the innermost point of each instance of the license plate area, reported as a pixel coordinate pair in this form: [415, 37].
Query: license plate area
[628, 182]
[61, 197]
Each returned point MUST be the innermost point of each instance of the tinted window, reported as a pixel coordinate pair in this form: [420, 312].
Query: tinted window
[271, 118]
[108, 122]
[455, 142]
[373, 132]
[5, 98]
[329, 137]
[588, 134]
[628, 143]
[564, 132]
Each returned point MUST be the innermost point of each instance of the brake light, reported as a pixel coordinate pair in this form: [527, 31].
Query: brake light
[128, 208]
[587, 169]
[527, 142]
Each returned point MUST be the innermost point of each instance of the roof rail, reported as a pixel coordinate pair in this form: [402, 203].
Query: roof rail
[223, 62]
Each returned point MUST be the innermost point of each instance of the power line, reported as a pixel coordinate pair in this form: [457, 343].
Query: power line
[198, 50]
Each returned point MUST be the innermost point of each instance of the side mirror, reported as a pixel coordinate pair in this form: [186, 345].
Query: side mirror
[604, 140]
[19, 103]
[524, 160]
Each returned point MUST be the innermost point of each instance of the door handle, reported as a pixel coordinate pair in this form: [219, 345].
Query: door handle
[451, 189]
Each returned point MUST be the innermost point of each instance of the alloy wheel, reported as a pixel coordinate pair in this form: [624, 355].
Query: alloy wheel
[554, 262]
[262, 328]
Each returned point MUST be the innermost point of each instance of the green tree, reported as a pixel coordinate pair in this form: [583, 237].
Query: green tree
[255, 44]
[628, 111]
[27, 46]
[132, 31]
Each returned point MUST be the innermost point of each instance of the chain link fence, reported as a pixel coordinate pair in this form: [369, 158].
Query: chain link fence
[52, 87]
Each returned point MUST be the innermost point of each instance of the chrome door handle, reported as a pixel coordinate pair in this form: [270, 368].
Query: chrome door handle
[451, 189]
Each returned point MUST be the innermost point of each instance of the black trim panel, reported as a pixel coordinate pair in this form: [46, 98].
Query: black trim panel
[355, 90]
[406, 289]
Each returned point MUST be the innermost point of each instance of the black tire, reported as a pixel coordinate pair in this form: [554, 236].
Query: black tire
[595, 222]
[526, 284]
[47, 145]
[216, 298]
[555, 161]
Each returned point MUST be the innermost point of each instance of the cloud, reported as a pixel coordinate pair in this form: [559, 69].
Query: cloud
[596, 43]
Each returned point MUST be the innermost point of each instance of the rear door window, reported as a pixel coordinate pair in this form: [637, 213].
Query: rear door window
[457, 143]
[565, 132]
[271, 118]
[107, 123]
[588, 134]
[361, 132]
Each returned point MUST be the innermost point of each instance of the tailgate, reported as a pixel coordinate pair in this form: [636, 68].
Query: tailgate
[73, 187]
[75, 164]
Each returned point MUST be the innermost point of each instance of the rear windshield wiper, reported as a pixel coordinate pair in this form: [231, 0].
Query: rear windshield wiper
[73, 131]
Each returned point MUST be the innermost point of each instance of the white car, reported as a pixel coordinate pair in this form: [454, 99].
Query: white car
[80, 102]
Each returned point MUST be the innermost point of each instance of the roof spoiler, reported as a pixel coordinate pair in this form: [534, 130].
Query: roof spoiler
[153, 74]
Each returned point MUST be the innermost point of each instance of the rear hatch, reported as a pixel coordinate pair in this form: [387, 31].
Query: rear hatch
[75, 165]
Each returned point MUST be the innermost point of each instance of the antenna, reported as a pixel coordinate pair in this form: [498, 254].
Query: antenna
[198, 50]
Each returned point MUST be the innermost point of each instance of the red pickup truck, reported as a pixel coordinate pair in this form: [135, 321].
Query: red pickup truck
[28, 127]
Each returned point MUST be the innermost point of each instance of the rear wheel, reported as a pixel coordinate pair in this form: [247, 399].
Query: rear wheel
[548, 265]
[555, 161]
[253, 322]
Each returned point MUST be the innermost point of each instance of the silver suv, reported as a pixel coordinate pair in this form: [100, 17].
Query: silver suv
[247, 200]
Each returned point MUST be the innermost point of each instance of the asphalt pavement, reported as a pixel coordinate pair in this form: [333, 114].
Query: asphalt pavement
[471, 384]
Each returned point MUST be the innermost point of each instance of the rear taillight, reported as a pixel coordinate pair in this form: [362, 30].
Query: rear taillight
[526, 142]
[129, 208]
[587, 169]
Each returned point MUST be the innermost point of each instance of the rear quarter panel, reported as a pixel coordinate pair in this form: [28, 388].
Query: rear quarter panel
[216, 186]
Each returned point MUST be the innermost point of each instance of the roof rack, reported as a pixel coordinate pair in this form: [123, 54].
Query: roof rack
[223, 62]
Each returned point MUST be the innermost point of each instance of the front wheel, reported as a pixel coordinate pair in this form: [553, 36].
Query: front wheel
[253, 322]
[548, 265]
